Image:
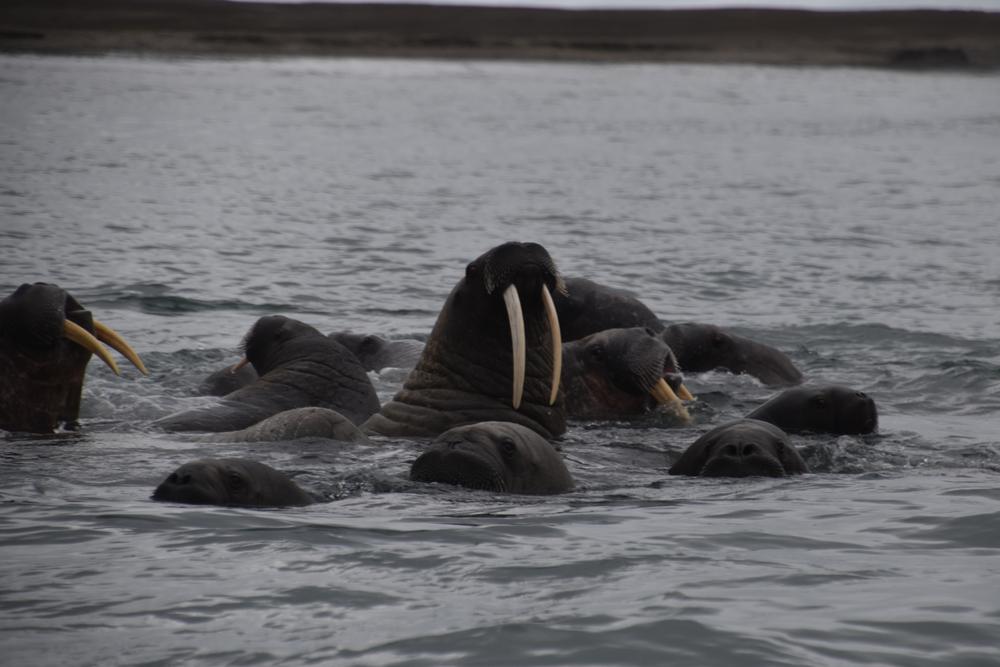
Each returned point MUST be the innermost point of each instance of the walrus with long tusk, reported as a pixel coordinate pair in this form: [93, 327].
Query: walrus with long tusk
[46, 341]
[495, 353]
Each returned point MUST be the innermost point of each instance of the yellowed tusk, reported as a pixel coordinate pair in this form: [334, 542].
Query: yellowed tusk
[664, 395]
[237, 366]
[516, 318]
[111, 337]
[684, 394]
[556, 333]
[83, 338]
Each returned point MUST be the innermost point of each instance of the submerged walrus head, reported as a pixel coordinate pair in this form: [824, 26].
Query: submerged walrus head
[46, 340]
[495, 352]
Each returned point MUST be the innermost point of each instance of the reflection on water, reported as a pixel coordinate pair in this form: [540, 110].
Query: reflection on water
[844, 216]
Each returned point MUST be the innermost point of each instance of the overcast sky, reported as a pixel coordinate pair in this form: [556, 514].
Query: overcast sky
[989, 5]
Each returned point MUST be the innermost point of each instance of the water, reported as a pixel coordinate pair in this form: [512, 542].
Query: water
[848, 217]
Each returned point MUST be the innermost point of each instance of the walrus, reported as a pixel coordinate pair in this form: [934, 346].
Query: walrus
[587, 307]
[706, 347]
[227, 380]
[297, 367]
[376, 353]
[494, 456]
[308, 422]
[494, 353]
[238, 482]
[832, 409]
[741, 448]
[46, 341]
[621, 372]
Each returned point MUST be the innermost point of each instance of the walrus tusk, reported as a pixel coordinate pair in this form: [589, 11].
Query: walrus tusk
[84, 339]
[516, 317]
[237, 366]
[556, 333]
[684, 394]
[109, 336]
[664, 395]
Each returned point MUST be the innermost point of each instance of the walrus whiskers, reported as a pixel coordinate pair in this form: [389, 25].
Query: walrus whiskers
[83, 338]
[550, 311]
[516, 318]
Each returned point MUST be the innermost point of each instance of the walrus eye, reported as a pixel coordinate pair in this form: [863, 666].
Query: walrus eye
[649, 332]
[471, 271]
[596, 352]
[508, 448]
[235, 480]
[818, 401]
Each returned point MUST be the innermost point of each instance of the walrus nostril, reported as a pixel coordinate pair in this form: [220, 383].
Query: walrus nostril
[748, 449]
[185, 479]
[730, 449]
[173, 478]
[862, 394]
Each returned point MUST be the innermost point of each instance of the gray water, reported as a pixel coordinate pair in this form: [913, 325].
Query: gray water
[848, 217]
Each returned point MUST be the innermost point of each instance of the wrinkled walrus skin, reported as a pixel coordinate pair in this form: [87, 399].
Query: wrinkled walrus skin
[468, 370]
[297, 367]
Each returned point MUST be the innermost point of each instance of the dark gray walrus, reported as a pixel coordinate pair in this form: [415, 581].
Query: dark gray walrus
[376, 353]
[588, 307]
[46, 341]
[621, 372]
[706, 347]
[494, 456]
[829, 409]
[238, 482]
[494, 354]
[298, 367]
[742, 448]
[309, 422]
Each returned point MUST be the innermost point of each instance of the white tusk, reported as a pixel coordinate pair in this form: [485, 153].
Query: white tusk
[516, 317]
[237, 366]
[550, 311]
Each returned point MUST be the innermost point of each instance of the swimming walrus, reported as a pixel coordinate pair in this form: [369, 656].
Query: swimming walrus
[238, 482]
[706, 347]
[46, 341]
[494, 353]
[297, 367]
[494, 456]
[832, 409]
[741, 448]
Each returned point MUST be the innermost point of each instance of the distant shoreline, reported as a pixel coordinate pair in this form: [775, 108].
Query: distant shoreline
[892, 38]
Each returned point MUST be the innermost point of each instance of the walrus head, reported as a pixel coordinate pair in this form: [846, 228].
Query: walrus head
[622, 372]
[238, 482]
[522, 276]
[274, 340]
[742, 448]
[46, 341]
[493, 456]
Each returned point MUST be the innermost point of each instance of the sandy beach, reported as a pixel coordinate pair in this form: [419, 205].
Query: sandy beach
[919, 39]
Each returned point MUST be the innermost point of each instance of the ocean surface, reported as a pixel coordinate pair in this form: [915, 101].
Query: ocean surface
[846, 216]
